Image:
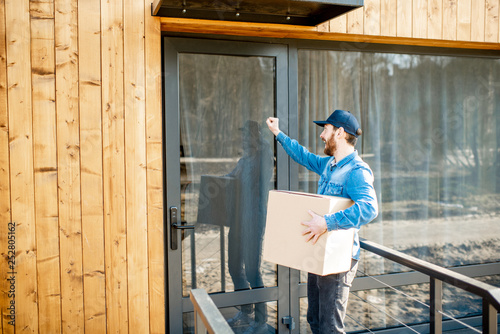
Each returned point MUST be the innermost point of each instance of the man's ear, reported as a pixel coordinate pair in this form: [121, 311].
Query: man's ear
[341, 132]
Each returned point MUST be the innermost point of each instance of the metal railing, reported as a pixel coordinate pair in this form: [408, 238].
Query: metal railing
[208, 318]
[489, 294]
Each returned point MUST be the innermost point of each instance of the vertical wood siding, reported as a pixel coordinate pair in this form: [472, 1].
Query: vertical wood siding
[404, 19]
[465, 20]
[81, 151]
[89, 46]
[20, 148]
[435, 19]
[81, 166]
[491, 31]
[43, 69]
[135, 166]
[388, 11]
[5, 212]
[113, 124]
[68, 165]
[456, 20]
[154, 175]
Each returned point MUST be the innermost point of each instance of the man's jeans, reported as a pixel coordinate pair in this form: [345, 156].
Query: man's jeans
[327, 297]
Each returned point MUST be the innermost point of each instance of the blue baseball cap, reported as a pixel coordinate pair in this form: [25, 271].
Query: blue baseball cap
[343, 119]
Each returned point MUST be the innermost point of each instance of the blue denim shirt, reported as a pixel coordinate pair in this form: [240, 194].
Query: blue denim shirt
[350, 178]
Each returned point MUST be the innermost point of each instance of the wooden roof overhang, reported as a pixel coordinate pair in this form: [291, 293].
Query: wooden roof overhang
[293, 12]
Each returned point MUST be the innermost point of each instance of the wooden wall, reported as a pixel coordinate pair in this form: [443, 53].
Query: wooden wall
[459, 20]
[81, 166]
[81, 151]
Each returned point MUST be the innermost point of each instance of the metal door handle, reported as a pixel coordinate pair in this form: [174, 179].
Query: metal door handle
[174, 226]
[183, 227]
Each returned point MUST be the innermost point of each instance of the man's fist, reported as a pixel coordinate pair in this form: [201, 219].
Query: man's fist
[273, 124]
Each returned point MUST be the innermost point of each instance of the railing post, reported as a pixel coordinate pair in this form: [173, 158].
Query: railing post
[436, 305]
[198, 324]
[207, 316]
[490, 324]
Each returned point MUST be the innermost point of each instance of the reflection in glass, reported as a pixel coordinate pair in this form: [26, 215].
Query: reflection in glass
[252, 175]
[431, 132]
[227, 170]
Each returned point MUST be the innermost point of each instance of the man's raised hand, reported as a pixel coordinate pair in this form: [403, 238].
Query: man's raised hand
[273, 125]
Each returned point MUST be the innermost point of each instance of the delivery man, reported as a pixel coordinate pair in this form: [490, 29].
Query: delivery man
[342, 173]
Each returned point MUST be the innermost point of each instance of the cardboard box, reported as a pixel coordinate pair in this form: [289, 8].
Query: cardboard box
[284, 243]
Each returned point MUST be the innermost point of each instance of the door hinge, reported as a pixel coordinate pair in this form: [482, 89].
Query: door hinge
[289, 322]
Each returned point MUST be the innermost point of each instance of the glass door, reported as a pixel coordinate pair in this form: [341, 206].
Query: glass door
[221, 162]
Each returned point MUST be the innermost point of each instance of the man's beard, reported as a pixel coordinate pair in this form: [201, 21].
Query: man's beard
[331, 146]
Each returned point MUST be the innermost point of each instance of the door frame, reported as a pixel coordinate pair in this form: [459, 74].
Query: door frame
[288, 279]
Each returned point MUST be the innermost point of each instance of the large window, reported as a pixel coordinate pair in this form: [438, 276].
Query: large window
[431, 134]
